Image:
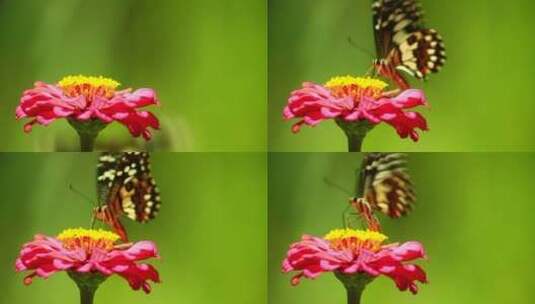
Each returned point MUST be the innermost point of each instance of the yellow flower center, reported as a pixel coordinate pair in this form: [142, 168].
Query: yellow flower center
[88, 86]
[355, 240]
[356, 87]
[87, 239]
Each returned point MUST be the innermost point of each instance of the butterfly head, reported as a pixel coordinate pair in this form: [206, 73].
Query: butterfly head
[100, 213]
[379, 61]
[380, 65]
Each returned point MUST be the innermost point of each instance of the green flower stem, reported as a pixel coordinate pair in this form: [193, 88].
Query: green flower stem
[88, 284]
[355, 133]
[88, 132]
[354, 295]
[355, 285]
[87, 295]
[87, 142]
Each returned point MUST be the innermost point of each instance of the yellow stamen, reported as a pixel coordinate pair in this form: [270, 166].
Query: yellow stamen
[90, 80]
[87, 239]
[342, 86]
[89, 86]
[363, 82]
[352, 233]
[355, 239]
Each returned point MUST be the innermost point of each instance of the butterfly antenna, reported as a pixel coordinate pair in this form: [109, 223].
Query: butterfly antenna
[347, 209]
[358, 47]
[334, 185]
[372, 71]
[81, 194]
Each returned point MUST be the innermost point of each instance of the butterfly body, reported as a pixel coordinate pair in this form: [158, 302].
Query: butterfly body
[126, 188]
[107, 215]
[403, 44]
[365, 211]
[387, 68]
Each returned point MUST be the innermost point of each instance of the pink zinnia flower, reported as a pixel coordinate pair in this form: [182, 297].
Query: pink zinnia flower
[352, 252]
[84, 98]
[353, 99]
[89, 252]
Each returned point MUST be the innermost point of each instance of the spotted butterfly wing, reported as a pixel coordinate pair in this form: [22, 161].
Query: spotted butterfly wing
[126, 187]
[385, 183]
[403, 43]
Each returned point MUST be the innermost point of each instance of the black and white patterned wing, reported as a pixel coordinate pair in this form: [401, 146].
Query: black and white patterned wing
[391, 18]
[385, 183]
[403, 41]
[125, 184]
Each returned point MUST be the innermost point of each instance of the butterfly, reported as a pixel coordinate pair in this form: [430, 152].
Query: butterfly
[125, 187]
[385, 184]
[403, 43]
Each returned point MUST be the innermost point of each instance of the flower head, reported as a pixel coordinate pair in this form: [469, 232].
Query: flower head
[84, 98]
[353, 99]
[88, 252]
[353, 252]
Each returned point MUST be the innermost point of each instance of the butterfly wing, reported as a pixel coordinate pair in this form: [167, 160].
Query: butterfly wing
[420, 53]
[126, 186]
[108, 186]
[145, 195]
[139, 196]
[391, 18]
[385, 183]
[106, 176]
[402, 42]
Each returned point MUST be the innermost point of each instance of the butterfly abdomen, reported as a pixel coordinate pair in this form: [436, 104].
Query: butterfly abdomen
[108, 216]
[365, 211]
[388, 70]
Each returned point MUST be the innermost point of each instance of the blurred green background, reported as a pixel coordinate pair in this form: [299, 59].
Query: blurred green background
[205, 59]
[211, 232]
[474, 215]
[480, 101]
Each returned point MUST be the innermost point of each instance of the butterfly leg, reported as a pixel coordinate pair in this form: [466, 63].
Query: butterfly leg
[388, 71]
[365, 211]
[371, 71]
